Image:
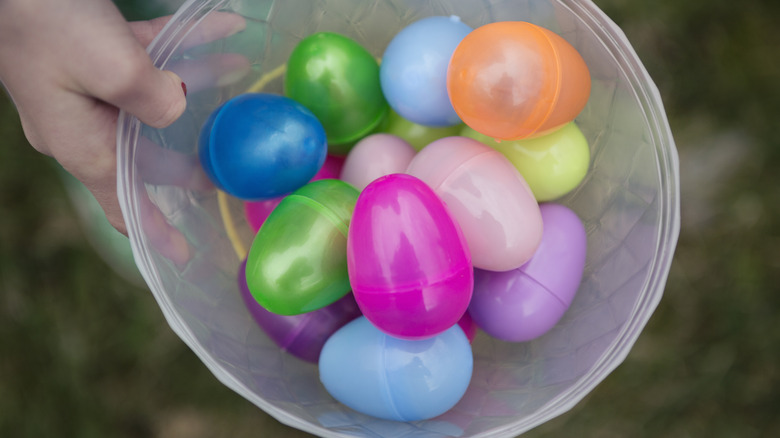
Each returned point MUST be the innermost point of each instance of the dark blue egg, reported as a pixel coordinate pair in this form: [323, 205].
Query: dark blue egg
[260, 146]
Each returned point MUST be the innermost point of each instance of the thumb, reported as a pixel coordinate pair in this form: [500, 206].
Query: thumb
[156, 97]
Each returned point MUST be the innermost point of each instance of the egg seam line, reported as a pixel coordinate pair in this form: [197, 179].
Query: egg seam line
[320, 208]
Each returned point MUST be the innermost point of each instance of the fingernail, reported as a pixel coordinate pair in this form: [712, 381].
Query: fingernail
[184, 88]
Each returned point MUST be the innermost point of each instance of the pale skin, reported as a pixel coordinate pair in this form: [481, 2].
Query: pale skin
[69, 67]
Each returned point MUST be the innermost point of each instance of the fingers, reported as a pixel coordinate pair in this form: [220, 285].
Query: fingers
[146, 31]
[160, 166]
[212, 70]
[215, 26]
[162, 236]
[155, 97]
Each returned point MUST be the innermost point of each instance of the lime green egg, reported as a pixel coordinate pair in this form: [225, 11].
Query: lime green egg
[298, 260]
[415, 134]
[552, 164]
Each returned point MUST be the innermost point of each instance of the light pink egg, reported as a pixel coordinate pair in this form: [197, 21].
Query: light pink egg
[374, 156]
[488, 198]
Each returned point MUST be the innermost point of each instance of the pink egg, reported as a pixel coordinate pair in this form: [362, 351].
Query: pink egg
[331, 169]
[523, 304]
[408, 262]
[256, 212]
[374, 156]
[488, 198]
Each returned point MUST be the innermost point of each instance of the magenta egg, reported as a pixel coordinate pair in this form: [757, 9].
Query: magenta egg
[468, 326]
[488, 198]
[256, 212]
[523, 304]
[408, 262]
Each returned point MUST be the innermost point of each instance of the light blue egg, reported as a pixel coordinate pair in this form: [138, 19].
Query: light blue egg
[413, 73]
[395, 379]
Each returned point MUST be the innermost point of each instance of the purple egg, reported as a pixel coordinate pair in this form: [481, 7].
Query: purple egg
[524, 303]
[301, 335]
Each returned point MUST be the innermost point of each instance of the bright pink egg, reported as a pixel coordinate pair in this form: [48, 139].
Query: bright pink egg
[256, 212]
[468, 326]
[409, 266]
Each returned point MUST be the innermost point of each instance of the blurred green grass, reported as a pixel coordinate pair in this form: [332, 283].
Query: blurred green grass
[84, 352]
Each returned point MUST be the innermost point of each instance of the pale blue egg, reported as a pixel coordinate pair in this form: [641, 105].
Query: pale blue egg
[396, 379]
[413, 73]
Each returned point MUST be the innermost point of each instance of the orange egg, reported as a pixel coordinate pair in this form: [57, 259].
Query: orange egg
[513, 79]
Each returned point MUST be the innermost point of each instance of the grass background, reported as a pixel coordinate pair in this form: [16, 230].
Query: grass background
[86, 353]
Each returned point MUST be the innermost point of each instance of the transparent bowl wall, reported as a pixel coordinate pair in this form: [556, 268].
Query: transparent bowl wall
[629, 203]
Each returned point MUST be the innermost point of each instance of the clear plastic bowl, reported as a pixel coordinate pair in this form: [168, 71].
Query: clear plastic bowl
[186, 239]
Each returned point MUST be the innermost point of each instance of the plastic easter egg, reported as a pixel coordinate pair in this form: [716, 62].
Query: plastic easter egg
[525, 303]
[514, 79]
[256, 212]
[552, 164]
[297, 262]
[408, 262]
[374, 156]
[413, 72]
[338, 80]
[469, 327]
[331, 169]
[302, 335]
[415, 134]
[396, 379]
[260, 146]
[488, 198]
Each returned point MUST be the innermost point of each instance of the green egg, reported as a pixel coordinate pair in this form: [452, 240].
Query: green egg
[337, 80]
[552, 164]
[415, 134]
[298, 260]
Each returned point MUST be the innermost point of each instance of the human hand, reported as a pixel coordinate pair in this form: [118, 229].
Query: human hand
[69, 66]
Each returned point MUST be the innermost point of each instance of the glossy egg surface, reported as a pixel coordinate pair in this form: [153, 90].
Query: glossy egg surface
[396, 379]
[413, 72]
[488, 198]
[514, 79]
[374, 156]
[552, 164]
[338, 80]
[297, 262]
[525, 303]
[408, 262]
[259, 146]
[301, 335]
